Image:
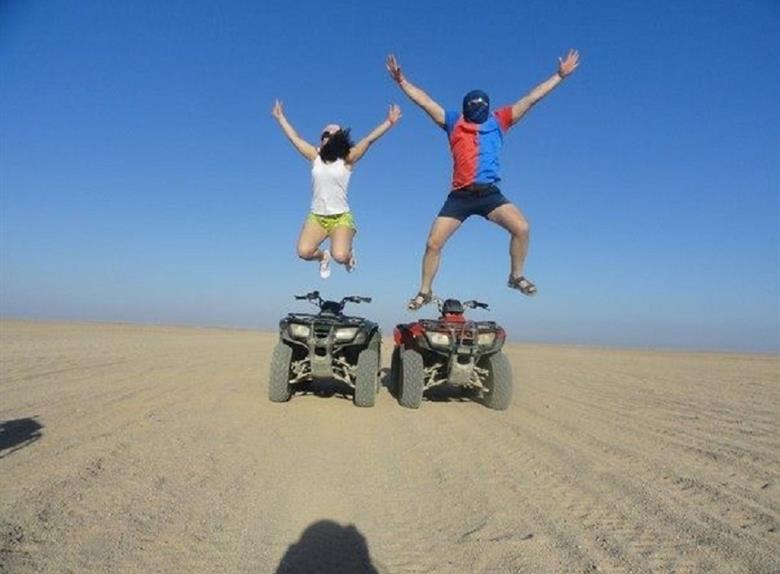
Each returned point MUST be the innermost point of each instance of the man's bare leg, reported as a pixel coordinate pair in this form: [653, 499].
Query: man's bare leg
[441, 230]
[512, 219]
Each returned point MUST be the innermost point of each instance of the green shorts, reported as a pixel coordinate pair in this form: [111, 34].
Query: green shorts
[331, 222]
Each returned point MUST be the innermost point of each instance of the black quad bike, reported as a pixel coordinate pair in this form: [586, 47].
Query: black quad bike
[451, 350]
[326, 346]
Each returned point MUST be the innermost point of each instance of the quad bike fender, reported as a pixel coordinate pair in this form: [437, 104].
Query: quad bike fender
[405, 335]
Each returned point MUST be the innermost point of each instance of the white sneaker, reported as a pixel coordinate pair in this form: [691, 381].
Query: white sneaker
[352, 263]
[325, 264]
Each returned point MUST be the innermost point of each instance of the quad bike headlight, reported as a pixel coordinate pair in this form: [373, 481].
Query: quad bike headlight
[486, 339]
[438, 339]
[299, 331]
[346, 333]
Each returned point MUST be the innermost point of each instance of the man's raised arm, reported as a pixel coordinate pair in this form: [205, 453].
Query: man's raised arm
[565, 68]
[415, 94]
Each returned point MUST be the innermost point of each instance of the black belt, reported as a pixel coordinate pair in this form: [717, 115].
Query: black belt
[477, 188]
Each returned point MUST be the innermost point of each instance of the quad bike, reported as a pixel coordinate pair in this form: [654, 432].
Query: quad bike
[328, 345]
[451, 350]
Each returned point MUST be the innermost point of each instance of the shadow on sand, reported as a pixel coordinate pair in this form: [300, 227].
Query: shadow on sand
[332, 387]
[327, 547]
[440, 394]
[325, 389]
[385, 381]
[18, 433]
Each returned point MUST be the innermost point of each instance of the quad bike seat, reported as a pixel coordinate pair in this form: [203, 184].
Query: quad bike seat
[452, 311]
[330, 308]
[452, 307]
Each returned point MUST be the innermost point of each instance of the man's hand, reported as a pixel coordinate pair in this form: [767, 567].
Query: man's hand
[277, 112]
[394, 69]
[567, 66]
[394, 114]
[414, 93]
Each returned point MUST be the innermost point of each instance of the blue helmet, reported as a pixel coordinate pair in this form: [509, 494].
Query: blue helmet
[476, 106]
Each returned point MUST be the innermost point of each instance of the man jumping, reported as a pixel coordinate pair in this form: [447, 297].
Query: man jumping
[475, 137]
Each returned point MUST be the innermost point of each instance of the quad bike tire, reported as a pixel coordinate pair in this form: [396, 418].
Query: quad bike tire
[395, 372]
[366, 378]
[499, 383]
[279, 390]
[376, 342]
[411, 381]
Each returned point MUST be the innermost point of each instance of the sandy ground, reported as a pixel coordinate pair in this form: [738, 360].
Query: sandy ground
[152, 449]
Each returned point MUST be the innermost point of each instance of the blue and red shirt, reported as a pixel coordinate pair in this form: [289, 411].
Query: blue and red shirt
[475, 147]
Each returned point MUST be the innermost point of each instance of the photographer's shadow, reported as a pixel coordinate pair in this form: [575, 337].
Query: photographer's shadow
[326, 547]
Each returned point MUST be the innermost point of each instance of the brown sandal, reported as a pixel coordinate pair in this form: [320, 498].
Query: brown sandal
[521, 284]
[419, 301]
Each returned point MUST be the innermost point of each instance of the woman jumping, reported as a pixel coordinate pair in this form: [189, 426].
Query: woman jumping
[332, 164]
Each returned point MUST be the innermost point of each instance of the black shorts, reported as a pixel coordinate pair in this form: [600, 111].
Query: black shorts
[463, 203]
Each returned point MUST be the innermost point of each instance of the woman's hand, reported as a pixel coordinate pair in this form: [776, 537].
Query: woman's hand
[307, 150]
[394, 114]
[567, 66]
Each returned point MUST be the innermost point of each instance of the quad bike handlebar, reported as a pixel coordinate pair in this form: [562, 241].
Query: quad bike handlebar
[312, 296]
[470, 304]
[315, 299]
[356, 299]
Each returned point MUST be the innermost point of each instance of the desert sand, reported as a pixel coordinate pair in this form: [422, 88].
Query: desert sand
[154, 449]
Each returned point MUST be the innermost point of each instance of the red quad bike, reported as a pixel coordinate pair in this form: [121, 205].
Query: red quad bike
[451, 350]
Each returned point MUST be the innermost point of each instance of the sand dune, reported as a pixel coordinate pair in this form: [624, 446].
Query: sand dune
[152, 449]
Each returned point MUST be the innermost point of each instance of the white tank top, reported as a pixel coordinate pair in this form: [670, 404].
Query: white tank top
[329, 183]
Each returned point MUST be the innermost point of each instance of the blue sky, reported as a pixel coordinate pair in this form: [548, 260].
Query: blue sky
[142, 177]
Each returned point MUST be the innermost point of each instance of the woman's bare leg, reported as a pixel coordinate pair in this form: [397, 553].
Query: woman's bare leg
[341, 244]
[309, 241]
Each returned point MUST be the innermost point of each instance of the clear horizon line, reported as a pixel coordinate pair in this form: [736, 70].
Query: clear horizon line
[603, 346]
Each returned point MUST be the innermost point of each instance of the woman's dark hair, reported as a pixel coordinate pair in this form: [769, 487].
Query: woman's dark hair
[337, 146]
